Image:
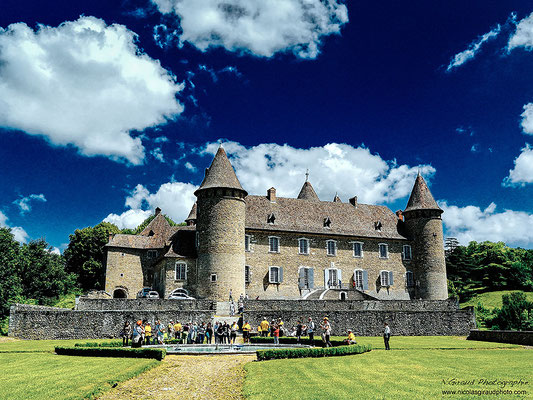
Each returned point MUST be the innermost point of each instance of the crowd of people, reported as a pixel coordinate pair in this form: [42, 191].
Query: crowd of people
[143, 333]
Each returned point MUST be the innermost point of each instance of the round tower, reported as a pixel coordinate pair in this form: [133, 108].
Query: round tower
[220, 221]
[423, 224]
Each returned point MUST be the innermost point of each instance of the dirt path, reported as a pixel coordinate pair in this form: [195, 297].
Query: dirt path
[194, 377]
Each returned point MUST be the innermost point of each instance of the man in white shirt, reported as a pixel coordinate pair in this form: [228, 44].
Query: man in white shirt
[386, 336]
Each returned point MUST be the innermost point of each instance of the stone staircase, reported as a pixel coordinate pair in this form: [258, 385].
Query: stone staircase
[223, 313]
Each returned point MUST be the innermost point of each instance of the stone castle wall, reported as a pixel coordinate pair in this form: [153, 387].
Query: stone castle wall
[124, 271]
[85, 304]
[516, 337]
[259, 259]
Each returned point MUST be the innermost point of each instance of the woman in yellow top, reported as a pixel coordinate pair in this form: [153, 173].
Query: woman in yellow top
[351, 338]
[246, 328]
[264, 327]
[148, 332]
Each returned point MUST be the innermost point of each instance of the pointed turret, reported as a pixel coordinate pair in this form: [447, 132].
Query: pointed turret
[191, 219]
[308, 193]
[337, 199]
[220, 174]
[421, 198]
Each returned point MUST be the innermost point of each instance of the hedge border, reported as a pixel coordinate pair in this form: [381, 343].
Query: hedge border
[158, 354]
[276, 354]
[317, 342]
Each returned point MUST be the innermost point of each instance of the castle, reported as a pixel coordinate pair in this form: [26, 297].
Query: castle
[271, 247]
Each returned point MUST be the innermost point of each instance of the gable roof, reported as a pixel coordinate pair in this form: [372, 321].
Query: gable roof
[421, 198]
[308, 193]
[297, 215]
[220, 174]
[192, 213]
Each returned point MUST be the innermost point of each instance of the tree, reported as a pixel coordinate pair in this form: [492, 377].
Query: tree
[85, 254]
[10, 282]
[145, 223]
[514, 314]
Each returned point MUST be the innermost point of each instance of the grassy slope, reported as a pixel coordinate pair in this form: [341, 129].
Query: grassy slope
[492, 299]
[32, 371]
[413, 374]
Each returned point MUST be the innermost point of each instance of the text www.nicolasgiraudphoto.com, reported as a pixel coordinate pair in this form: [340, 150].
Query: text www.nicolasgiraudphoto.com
[500, 387]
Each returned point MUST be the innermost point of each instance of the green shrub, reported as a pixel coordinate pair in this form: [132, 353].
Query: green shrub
[115, 343]
[158, 354]
[514, 314]
[274, 354]
[292, 340]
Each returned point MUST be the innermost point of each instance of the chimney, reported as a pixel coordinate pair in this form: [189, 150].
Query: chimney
[353, 201]
[399, 214]
[271, 194]
[157, 211]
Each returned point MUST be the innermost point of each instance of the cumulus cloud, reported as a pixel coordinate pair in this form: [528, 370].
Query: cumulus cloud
[335, 167]
[522, 173]
[18, 232]
[174, 198]
[157, 153]
[527, 119]
[472, 223]
[190, 167]
[24, 203]
[83, 83]
[523, 36]
[473, 49]
[259, 27]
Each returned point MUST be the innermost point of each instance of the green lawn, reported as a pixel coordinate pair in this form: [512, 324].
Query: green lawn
[31, 370]
[416, 372]
[492, 299]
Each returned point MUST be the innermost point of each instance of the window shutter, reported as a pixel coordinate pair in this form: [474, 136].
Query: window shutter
[270, 275]
[391, 280]
[311, 278]
[339, 276]
[186, 270]
[301, 279]
[281, 274]
[326, 278]
[365, 280]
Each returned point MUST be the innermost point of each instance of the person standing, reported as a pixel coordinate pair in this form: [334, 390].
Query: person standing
[170, 330]
[299, 331]
[311, 327]
[209, 332]
[246, 328]
[264, 327]
[159, 332]
[326, 331]
[177, 330]
[136, 340]
[126, 333]
[275, 333]
[233, 334]
[386, 336]
[148, 333]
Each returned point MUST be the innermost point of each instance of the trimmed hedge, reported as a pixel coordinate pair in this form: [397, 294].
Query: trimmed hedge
[158, 354]
[292, 340]
[101, 344]
[274, 354]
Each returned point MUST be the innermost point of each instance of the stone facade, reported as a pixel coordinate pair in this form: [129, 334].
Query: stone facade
[125, 272]
[167, 279]
[259, 259]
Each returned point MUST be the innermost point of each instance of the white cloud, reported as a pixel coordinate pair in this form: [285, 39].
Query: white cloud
[523, 36]
[522, 172]
[174, 198]
[83, 83]
[527, 119]
[473, 49]
[260, 27]
[471, 223]
[335, 167]
[190, 167]
[18, 232]
[474, 148]
[24, 202]
[157, 153]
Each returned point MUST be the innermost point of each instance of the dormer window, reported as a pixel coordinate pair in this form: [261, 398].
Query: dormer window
[327, 222]
[378, 225]
[151, 233]
[271, 219]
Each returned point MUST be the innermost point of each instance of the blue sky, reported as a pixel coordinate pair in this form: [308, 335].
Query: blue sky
[108, 111]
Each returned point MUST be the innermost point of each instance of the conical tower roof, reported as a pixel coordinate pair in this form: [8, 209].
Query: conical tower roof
[308, 193]
[220, 174]
[421, 198]
[192, 214]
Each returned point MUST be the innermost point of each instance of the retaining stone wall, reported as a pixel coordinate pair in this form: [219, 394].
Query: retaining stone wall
[49, 323]
[515, 337]
[356, 305]
[86, 304]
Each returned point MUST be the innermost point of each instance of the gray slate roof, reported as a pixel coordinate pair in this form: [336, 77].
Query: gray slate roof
[308, 193]
[421, 198]
[220, 174]
[296, 215]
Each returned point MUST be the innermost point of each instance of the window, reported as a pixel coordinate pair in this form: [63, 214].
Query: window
[386, 278]
[357, 249]
[306, 278]
[360, 279]
[332, 247]
[383, 250]
[303, 246]
[151, 254]
[246, 274]
[181, 271]
[271, 219]
[342, 296]
[275, 275]
[332, 278]
[409, 279]
[378, 225]
[327, 222]
[273, 244]
[247, 239]
[213, 277]
[406, 255]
